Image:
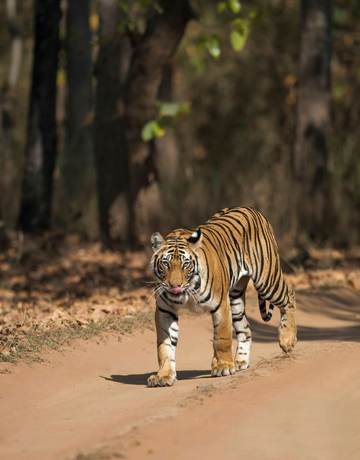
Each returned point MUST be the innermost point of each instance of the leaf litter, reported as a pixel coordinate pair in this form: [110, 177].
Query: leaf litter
[59, 287]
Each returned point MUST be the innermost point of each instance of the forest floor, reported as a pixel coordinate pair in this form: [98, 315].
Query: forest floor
[77, 345]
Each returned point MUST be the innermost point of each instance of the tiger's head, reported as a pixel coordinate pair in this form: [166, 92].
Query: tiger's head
[175, 265]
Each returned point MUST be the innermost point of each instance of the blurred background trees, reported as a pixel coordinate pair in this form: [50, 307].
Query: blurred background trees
[41, 145]
[312, 122]
[168, 111]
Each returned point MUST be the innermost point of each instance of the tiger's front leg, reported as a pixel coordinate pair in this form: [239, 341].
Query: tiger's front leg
[222, 362]
[167, 331]
[241, 324]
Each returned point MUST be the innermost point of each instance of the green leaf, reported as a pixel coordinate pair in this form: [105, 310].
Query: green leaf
[213, 45]
[144, 3]
[256, 15]
[239, 34]
[169, 109]
[237, 40]
[239, 23]
[158, 130]
[127, 24]
[234, 5]
[184, 108]
[221, 7]
[123, 4]
[147, 133]
[202, 42]
[152, 129]
[340, 16]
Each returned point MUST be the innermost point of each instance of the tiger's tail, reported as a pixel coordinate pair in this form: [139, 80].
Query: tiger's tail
[266, 316]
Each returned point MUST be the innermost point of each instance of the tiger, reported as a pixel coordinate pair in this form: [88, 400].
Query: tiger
[208, 270]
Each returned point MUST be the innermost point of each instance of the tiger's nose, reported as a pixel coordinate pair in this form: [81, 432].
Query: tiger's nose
[176, 289]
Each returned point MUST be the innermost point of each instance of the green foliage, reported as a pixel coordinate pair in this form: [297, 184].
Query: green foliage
[124, 6]
[134, 12]
[212, 43]
[173, 109]
[152, 129]
[340, 17]
[240, 26]
[222, 6]
[239, 34]
[168, 112]
[134, 21]
[232, 5]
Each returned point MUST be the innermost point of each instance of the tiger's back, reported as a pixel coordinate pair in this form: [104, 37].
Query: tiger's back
[243, 238]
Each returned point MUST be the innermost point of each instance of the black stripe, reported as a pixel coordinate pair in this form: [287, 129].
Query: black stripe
[173, 316]
[216, 309]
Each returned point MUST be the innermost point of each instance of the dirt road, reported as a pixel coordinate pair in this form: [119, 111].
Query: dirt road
[91, 402]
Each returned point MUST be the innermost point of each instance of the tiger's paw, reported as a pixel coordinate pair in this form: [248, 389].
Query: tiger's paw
[287, 339]
[222, 368]
[161, 381]
[287, 331]
[241, 365]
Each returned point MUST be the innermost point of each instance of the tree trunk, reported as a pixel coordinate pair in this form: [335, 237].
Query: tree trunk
[8, 99]
[111, 154]
[166, 150]
[3, 237]
[40, 151]
[151, 56]
[77, 166]
[313, 117]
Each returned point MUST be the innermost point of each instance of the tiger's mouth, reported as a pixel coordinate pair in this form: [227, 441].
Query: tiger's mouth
[176, 290]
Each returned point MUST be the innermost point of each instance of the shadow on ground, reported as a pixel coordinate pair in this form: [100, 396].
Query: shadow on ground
[141, 379]
[265, 333]
[342, 304]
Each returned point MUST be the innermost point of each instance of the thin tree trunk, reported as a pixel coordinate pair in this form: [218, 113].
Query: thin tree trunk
[77, 168]
[166, 149]
[313, 117]
[36, 200]
[111, 154]
[152, 55]
[167, 153]
[3, 237]
[8, 99]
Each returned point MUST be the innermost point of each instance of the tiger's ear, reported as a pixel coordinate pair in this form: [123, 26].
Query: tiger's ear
[195, 239]
[157, 241]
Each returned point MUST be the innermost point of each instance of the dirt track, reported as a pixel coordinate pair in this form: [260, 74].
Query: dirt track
[91, 402]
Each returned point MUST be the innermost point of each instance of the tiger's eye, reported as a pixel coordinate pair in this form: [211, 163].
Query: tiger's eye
[166, 264]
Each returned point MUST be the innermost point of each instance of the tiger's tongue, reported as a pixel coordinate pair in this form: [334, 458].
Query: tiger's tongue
[176, 289]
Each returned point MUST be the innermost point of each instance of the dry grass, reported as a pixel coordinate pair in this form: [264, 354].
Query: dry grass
[32, 346]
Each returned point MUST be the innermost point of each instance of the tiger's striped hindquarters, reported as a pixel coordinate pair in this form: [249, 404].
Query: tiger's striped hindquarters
[208, 270]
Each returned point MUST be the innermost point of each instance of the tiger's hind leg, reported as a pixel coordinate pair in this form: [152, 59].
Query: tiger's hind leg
[241, 324]
[287, 328]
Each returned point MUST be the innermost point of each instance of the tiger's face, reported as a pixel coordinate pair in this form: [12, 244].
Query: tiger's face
[176, 267]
